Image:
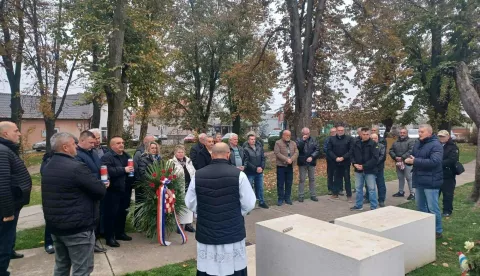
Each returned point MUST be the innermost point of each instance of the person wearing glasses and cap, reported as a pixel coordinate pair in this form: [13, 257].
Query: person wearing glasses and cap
[450, 158]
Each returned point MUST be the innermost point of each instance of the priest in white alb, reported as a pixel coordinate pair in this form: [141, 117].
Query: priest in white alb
[221, 196]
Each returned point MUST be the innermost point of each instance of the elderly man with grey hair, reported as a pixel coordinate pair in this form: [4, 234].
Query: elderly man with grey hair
[236, 153]
[308, 152]
[195, 150]
[427, 176]
[98, 148]
[70, 195]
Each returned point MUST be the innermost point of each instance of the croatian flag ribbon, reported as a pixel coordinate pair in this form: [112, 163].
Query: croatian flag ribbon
[162, 193]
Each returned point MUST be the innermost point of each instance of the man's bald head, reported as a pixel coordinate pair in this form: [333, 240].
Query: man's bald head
[10, 131]
[220, 151]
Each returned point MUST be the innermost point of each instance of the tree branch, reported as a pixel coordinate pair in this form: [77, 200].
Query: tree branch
[60, 107]
[270, 36]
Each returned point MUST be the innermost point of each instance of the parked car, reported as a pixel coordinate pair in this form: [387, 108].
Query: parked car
[160, 137]
[190, 138]
[40, 146]
[413, 133]
[227, 136]
[274, 133]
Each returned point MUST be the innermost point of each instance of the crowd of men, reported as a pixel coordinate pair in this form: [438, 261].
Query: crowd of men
[79, 206]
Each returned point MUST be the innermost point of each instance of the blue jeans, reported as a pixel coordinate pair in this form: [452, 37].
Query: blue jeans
[7, 242]
[381, 187]
[427, 202]
[284, 183]
[258, 180]
[369, 179]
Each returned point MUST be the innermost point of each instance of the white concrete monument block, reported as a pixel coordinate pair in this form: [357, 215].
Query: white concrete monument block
[251, 264]
[298, 245]
[416, 230]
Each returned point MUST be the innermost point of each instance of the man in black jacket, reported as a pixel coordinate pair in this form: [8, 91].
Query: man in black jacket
[380, 175]
[308, 152]
[381, 140]
[195, 150]
[365, 156]
[254, 161]
[15, 187]
[98, 148]
[86, 155]
[204, 156]
[70, 195]
[117, 199]
[339, 150]
[330, 162]
[450, 159]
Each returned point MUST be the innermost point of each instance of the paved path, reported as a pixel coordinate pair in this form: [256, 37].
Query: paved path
[143, 254]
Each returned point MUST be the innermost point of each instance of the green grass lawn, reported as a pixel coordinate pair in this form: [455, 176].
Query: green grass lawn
[468, 152]
[462, 226]
[188, 268]
[30, 238]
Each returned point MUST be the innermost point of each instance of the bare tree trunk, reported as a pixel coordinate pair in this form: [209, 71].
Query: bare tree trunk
[97, 103]
[117, 91]
[471, 103]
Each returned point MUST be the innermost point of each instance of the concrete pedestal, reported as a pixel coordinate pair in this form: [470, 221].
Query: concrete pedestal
[416, 230]
[251, 263]
[314, 247]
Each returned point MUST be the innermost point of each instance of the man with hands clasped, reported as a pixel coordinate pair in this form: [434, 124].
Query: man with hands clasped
[308, 152]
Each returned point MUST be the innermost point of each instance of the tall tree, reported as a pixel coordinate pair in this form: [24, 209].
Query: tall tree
[116, 89]
[11, 48]
[49, 52]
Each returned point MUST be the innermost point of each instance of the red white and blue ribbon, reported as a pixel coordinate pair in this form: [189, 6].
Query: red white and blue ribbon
[162, 193]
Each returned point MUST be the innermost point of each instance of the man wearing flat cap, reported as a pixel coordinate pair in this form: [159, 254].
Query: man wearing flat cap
[450, 159]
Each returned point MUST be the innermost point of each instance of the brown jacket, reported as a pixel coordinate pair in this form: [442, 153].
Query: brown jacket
[281, 152]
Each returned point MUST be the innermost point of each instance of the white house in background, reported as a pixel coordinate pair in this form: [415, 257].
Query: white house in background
[104, 118]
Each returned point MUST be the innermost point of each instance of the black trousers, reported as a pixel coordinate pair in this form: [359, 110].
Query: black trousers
[342, 173]
[448, 188]
[330, 174]
[116, 211]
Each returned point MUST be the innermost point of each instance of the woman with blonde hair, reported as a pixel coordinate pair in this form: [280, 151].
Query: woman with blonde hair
[185, 171]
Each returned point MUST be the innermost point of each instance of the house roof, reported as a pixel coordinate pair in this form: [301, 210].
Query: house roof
[72, 109]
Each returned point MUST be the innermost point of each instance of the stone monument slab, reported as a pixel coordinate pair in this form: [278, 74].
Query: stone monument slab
[299, 245]
[416, 230]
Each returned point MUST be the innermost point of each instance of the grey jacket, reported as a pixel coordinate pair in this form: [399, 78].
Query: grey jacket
[232, 155]
[402, 148]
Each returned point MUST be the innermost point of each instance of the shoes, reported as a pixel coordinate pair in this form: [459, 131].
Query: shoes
[334, 197]
[349, 199]
[98, 249]
[366, 201]
[280, 203]
[289, 202]
[399, 194]
[314, 198]
[16, 255]
[329, 192]
[381, 204]
[123, 237]
[411, 196]
[438, 235]
[355, 208]
[300, 199]
[263, 205]
[189, 228]
[49, 249]
[112, 243]
[354, 190]
[446, 215]
[341, 193]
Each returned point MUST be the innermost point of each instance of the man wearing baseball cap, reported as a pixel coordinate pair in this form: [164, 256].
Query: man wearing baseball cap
[450, 158]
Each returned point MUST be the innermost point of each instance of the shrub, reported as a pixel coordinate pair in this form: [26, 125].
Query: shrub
[321, 140]
[271, 142]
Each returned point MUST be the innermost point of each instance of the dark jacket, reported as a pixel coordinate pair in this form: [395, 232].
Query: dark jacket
[382, 150]
[203, 158]
[232, 155]
[428, 167]
[258, 141]
[143, 162]
[219, 212]
[136, 159]
[194, 151]
[15, 181]
[254, 158]
[90, 159]
[119, 180]
[70, 193]
[325, 146]
[45, 159]
[450, 159]
[340, 146]
[367, 154]
[306, 149]
[402, 148]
